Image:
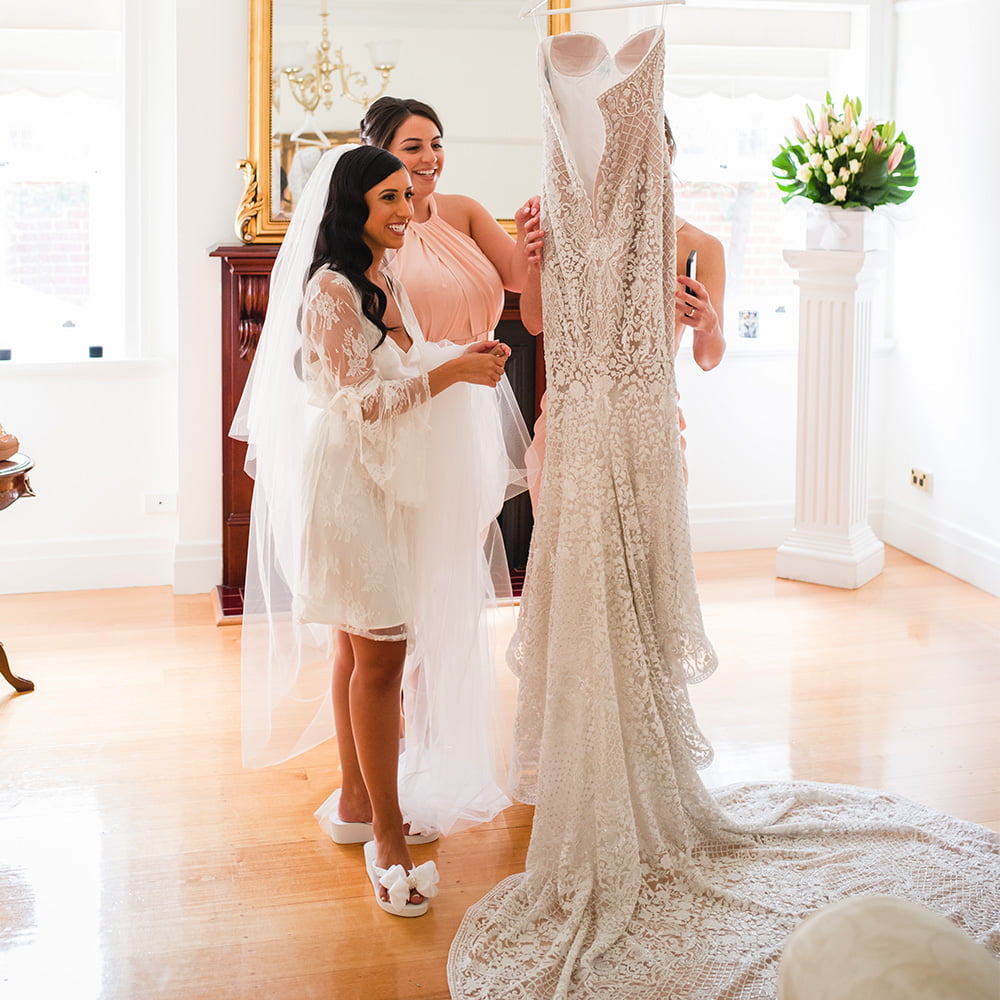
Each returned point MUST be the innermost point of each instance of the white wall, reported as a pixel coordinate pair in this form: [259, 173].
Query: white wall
[943, 387]
[211, 139]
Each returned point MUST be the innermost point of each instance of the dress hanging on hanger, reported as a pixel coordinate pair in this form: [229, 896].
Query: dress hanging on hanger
[640, 883]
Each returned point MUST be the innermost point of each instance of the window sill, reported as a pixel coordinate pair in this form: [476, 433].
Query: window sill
[90, 366]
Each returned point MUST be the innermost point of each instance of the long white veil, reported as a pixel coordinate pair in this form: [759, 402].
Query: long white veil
[285, 664]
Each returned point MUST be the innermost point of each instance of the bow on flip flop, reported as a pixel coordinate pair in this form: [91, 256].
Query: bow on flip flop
[422, 879]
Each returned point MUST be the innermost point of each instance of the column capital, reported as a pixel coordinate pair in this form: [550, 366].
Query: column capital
[844, 269]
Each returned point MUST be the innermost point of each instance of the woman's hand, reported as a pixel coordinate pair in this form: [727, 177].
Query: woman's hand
[494, 347]
[482, 363]
[693, 307]
[484, 367]
[530, 235]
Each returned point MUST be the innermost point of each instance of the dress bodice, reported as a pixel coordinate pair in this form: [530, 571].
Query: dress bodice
[453, 287]
[614, 241]
[579, 69]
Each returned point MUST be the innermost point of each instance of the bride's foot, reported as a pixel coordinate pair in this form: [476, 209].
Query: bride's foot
[337, 820]
[400, 889]
[353, 807]
[390, 853]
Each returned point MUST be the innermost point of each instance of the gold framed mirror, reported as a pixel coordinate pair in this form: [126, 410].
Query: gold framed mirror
[314, 66]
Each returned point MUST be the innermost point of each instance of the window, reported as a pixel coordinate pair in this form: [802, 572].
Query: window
[737, 72]
[62, 248]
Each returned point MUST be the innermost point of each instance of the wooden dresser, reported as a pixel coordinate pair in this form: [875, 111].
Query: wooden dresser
[246, 277]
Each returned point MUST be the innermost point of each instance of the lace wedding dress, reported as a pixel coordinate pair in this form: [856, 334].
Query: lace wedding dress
[641, 883]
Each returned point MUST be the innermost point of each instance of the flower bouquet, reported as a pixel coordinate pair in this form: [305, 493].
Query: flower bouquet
[840, 160]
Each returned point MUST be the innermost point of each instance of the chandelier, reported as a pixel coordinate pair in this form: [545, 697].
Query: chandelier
[319, 84]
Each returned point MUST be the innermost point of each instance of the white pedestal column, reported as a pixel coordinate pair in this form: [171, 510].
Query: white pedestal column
[832, 542]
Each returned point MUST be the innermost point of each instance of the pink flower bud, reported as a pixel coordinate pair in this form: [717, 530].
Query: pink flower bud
[866, 135]
[824, 125]
[800, 131]
[878, 143]
[895, 157]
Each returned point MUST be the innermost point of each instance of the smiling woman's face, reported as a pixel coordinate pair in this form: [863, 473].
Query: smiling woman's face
[389, 212]
[419, 144]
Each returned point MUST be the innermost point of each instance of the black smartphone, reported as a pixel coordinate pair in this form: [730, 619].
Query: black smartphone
[690, 268]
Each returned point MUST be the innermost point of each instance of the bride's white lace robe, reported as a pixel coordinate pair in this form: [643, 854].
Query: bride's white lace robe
[640, 884]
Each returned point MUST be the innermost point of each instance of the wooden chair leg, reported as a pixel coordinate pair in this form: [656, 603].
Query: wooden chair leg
[17, 683]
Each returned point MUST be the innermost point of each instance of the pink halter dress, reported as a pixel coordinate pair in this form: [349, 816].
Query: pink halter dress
[455, 290]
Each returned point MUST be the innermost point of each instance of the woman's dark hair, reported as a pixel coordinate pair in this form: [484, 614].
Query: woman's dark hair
[386, 114]
[339, 241]
[669, 133]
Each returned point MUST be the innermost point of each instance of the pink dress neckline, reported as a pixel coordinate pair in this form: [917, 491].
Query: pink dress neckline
[454, 288]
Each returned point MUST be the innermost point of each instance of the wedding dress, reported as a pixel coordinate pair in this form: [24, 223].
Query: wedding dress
[640, 883]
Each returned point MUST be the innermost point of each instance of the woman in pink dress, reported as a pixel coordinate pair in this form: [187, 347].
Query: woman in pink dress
[457, 259]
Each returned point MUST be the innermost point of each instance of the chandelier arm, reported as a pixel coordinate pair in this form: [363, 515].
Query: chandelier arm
[310, 89]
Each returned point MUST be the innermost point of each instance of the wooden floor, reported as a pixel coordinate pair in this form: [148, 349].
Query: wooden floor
[138, 859]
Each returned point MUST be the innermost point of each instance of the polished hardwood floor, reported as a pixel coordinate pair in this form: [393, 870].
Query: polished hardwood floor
[138, 859]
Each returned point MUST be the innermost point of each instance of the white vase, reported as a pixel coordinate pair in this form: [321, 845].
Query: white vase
[830, 227]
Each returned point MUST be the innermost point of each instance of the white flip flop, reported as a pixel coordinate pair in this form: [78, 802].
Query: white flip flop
[401, 884]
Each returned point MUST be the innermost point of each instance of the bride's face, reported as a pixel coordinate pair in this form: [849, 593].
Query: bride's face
[420, 146]
[389, 212]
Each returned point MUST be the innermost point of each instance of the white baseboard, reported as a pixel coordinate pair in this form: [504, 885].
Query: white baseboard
[76, 564]
[726, 528]
[109, 563]
[971, 557]
[197, 567]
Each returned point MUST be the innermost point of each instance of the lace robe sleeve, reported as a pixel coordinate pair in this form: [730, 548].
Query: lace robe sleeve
[385, 417]
[338, 344]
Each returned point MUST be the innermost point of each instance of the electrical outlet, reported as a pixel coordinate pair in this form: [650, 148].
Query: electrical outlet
[160, 503]
[920, 479]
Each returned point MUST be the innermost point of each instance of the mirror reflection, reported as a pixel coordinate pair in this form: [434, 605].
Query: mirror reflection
[474, 63]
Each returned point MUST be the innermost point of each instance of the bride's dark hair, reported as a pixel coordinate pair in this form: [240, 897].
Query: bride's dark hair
[339, 241]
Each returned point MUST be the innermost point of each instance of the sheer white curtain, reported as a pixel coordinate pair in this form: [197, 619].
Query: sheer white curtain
[55, 47]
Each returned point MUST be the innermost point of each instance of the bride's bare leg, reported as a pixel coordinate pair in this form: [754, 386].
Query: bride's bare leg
[354, 804]
[374, 706]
